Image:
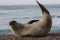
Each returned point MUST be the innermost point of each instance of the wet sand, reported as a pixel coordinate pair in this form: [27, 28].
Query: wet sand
[50, 36]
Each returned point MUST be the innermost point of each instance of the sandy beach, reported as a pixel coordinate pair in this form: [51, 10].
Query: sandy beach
[50, 36]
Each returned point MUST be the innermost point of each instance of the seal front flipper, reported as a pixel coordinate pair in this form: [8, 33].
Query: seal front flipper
[32, 21]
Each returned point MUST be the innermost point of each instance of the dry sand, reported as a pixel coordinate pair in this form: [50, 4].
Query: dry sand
[50, 36]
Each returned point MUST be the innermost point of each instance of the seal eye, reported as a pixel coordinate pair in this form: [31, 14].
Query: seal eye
[12, 22]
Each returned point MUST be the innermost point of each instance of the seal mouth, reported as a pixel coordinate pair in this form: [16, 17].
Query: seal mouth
[12, 22]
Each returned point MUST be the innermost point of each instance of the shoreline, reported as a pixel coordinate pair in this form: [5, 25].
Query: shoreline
[50, 36]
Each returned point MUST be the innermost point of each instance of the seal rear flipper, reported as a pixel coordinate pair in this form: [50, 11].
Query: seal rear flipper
[42, 8]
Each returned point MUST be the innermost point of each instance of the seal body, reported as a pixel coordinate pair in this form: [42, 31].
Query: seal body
[34, 27]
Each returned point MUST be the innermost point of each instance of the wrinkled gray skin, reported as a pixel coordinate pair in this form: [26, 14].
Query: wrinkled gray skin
[35, 27]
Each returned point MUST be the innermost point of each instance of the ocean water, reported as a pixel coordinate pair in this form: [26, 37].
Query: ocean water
[25, 13]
